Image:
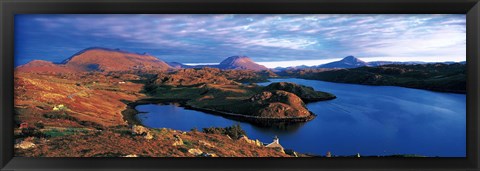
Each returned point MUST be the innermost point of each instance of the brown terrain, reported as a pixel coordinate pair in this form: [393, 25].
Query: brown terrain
[278, 103]
[82, 107]
[119, 142]
[43, 66]
[84, 119]
[99, 59]
[91, 97]
[190, 77]
[307, 94]
[216, 91]
[114, 60]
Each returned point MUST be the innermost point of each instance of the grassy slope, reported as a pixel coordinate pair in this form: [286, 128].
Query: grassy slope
[86, 97]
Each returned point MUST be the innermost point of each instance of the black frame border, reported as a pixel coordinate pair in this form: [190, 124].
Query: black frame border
[10, 7]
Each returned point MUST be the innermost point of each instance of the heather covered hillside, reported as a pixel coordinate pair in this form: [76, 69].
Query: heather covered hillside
[75, 104]
[87, 115]
[99, 60]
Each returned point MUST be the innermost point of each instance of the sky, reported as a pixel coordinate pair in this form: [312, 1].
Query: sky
[269, 39]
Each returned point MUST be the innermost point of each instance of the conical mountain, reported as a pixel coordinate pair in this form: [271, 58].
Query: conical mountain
[240, 62]
[347, 62]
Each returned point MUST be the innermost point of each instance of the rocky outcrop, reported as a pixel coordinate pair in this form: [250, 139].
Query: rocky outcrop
[140, 130]
[206, 144]
[278, 104]
[195, 151]
[250, 141]
[177, 141]
[131, 155]
[25, 145]
[149, 136]
[307, 94]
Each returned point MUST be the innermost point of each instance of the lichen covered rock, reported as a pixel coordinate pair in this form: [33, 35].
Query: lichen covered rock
[25, 145]
[195, 151]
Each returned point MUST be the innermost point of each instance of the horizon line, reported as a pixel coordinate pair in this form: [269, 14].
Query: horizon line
[295, 63]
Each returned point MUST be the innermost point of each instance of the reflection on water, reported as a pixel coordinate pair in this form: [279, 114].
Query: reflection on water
[370, 120]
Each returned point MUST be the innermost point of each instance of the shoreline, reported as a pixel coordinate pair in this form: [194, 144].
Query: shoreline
[412, 87]
[366, 84]
[261, 121]
[130, 112]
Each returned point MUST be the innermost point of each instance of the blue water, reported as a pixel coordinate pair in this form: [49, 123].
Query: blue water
[370, 120]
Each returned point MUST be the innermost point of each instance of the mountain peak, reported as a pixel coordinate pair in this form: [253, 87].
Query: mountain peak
[351, 59]
[240, 62]
[97, 49]
[235, 59]
[239, 57]
[347, 62]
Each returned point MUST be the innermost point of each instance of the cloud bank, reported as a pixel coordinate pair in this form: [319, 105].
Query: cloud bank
[265, 38]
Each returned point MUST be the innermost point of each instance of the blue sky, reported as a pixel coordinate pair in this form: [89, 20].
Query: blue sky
[272, 40]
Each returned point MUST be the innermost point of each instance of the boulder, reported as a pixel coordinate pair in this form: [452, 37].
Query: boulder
[177, 140]
[139, 130]
[250, 141]
[195, 151]
[25, 145]
[207, 144]
[131, 155]
[258, 143]
[291, 152]
[148, 136]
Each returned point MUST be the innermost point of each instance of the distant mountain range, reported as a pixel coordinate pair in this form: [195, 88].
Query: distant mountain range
[347, 62]
[353, 62]
[233, 62]
[104, 59]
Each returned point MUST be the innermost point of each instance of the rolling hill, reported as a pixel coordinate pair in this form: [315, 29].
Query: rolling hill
[99, 59]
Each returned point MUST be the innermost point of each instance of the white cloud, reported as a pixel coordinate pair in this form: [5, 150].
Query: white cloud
[283, 37]
[282, 43]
